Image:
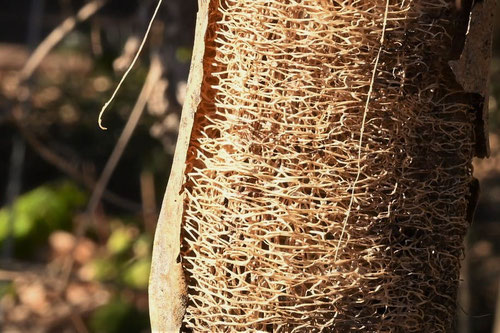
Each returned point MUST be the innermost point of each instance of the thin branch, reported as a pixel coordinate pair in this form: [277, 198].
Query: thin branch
[155, 72]
[66, 167]
[56, 36]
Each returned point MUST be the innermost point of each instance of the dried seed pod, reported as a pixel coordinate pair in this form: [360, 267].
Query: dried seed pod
[322, 178]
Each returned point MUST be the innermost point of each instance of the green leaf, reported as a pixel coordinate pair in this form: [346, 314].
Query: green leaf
[137, 275]
[120, 240]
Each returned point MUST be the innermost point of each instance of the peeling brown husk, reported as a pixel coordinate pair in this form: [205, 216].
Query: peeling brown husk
[322, 179]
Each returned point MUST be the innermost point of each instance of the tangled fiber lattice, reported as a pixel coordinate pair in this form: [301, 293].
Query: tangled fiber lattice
[329, 168]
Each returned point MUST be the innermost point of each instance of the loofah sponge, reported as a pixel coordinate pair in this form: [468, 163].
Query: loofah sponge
[323, 179]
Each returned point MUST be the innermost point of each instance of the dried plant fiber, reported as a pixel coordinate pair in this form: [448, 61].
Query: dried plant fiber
[322, 180]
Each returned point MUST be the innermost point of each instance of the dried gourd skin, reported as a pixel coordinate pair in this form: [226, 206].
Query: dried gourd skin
[323, 178]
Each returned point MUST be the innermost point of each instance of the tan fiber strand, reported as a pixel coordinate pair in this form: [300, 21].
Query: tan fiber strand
[362, 131]
[129, 69]
[328, 172]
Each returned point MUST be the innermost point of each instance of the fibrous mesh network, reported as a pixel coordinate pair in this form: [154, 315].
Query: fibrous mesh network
[329, 168]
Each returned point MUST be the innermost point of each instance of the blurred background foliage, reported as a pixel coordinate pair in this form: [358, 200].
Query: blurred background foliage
[68, 266]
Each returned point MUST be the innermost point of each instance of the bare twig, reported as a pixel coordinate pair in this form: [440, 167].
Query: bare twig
[56, 36]
[155, 72]
[66, 167]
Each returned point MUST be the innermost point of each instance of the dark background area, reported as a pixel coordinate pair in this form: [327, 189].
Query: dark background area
[67, 269]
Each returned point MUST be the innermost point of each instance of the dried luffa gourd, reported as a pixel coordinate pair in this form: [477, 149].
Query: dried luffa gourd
[322, 179]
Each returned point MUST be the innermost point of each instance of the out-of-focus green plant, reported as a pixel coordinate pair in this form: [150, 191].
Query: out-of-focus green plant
[120, 240]
[104, 269]
[183, 54]
[7, 288]
[137, 274]
[127, 257]
[142, 246]
[116, 317]
[37, 213]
